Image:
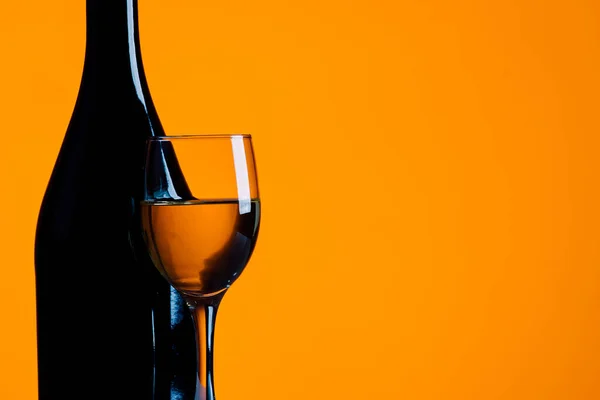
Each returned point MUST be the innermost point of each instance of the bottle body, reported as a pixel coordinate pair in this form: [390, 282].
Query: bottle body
[108, 324]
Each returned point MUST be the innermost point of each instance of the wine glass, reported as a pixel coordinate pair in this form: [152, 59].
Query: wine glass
[200, 220]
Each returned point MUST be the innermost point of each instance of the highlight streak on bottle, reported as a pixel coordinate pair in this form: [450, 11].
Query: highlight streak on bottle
[241, 173]
[133, 54]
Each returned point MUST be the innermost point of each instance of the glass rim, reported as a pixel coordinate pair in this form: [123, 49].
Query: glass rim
[199, 136]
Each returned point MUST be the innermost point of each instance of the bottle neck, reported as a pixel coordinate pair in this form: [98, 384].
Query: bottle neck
[113, 74]
[112, 43]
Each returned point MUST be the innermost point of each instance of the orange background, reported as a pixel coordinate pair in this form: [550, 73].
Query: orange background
[429, 174]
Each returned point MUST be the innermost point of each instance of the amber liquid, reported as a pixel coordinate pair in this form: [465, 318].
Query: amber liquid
[201, 247]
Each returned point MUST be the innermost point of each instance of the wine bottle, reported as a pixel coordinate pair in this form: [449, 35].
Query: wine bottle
[109, 326]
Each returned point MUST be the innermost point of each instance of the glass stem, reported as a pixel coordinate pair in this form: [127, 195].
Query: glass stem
[204, 313]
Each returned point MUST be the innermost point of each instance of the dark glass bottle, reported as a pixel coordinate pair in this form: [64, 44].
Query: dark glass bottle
[108, 325]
